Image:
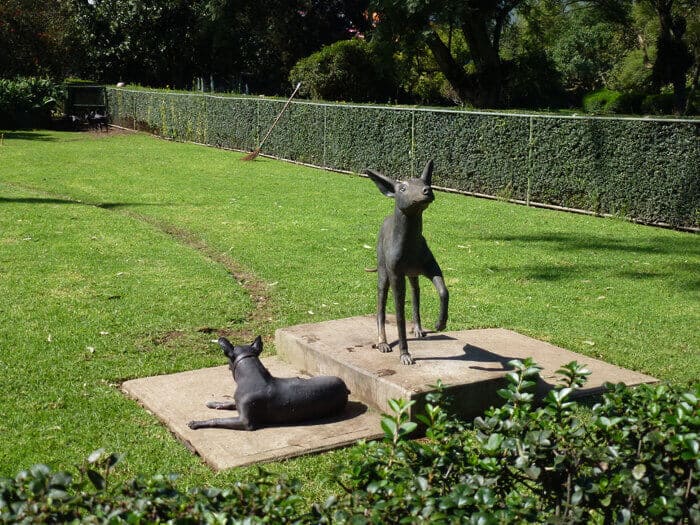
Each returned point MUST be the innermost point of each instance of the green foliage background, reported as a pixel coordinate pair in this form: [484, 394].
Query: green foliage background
[643, 169]
[28, 102]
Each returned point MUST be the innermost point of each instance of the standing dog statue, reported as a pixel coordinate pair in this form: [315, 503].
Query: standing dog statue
[263, 400]
[402, 252]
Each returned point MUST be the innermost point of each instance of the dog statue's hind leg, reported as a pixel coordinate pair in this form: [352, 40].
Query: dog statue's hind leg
[231, 423]
[222, 405]
[415, 303]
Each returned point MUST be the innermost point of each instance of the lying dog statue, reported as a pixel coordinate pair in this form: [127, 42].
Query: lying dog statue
[263, 400]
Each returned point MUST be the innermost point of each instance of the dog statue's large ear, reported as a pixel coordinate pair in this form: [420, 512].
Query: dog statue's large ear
[227, 346]
[427, 174]
[257, 345]
[385, 184]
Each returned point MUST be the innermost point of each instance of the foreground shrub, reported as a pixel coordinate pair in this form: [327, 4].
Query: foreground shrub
[28, 102]
[635, 458]
[660, 104]
[42, 496]
[632, 458]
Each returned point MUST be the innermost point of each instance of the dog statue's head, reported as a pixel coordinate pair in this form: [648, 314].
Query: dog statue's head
[412, 196]
[237, 353]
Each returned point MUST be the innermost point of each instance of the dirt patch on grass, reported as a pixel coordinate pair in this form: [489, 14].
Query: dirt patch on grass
[258, 319]
[194, 340]
[92, 133]
[167, 337]
[237, 333]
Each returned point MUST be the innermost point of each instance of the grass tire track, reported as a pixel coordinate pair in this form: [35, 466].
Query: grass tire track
[263, 310]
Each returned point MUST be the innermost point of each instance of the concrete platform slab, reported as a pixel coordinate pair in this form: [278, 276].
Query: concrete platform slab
[470, 363]
[179, 398]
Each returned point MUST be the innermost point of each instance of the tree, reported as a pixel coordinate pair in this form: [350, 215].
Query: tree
[348, 70]
[152, 42]
[673, 58]
[258, 43]
[34, 38]
[586, 50]
[481, 22]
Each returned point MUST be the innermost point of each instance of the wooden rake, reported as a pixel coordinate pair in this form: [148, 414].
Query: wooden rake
[253, 154]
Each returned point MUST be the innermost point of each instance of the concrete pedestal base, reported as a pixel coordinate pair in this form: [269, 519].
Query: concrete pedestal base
[470, 363]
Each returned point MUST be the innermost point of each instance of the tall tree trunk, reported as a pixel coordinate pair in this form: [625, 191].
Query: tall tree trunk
[489, 71]
[673, 58]
[454, 73]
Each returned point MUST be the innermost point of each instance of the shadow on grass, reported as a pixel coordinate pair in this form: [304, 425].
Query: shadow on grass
[53, 200]
[587, 241]
[617, 251]
[37, 200]
[28, 135]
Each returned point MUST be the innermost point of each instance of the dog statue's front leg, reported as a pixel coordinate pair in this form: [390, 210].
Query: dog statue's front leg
[382, 294]
[231, 423]
[398, 286]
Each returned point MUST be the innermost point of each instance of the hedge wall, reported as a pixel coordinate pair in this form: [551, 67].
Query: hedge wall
[643, 169]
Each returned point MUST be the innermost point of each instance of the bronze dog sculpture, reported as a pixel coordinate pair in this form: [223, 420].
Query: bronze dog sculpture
[263, 400]
[403, 252]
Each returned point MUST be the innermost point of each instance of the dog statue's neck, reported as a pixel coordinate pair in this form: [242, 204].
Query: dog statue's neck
[249, 370]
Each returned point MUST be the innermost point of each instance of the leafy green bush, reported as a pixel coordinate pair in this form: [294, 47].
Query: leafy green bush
[633, 458]
[28, 102]
[608, 102]
[347, 70]
[39, 495]
[602, 101]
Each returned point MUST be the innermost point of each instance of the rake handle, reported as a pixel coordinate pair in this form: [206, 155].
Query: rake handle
[284, 108]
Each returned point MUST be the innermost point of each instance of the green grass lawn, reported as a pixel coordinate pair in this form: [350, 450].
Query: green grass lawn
[122, 256]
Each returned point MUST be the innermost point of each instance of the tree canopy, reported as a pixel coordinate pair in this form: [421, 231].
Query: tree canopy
[496, 53]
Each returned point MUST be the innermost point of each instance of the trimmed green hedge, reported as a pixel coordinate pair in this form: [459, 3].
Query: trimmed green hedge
[643, 169]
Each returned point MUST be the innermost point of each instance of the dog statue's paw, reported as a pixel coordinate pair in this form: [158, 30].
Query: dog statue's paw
[419, 332]
[406, 359]
[384, 348]
[194, 425]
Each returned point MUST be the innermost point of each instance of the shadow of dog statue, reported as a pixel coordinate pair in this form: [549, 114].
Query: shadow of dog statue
[263, 400]
[403, 252]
